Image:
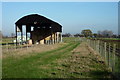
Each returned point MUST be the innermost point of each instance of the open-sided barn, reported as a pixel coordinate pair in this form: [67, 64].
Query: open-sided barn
[42, 30]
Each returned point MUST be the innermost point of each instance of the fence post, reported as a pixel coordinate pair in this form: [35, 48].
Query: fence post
[109, 56]
[94, 45]
[105, 50]
[7, 46]
[114, 51]
[98, 45]
[90, 43]
[101, 49]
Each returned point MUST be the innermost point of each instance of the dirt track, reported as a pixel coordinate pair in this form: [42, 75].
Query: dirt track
[85, 63]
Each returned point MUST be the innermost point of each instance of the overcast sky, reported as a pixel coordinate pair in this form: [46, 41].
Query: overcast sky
[73, 16]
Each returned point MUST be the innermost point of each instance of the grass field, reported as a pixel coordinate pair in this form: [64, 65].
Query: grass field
[107, 38]
[57, 63]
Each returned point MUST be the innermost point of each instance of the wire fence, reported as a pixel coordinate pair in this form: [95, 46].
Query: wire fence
[12, 47]
[110, 52]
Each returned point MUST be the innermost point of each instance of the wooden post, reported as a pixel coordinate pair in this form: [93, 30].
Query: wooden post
[109, 56]
[21, 36]
[102, 48]
[26, 37]
[7, 46]
[54, 37]
[61, 37]
[16, 35]
[26, 34]
[105, 50]
[90, 43]
[47, 41]
[57, 37]
[98, 46]
[51, 42]
[95, 44]
[114, 51]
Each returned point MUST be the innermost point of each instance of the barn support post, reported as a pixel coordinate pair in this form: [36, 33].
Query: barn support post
[54, 38]
[21, 36]
[26, 34]
[57, 37]
[26, 37]
[44, 41]
[51, 41]
[16, 34]
[60, 36]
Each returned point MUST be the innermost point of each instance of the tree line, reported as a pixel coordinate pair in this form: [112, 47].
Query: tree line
[89, 33]
[84, 33]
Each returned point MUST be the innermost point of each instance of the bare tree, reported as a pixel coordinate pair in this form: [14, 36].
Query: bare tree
[105, 33]
[66, 35]
[77, 35]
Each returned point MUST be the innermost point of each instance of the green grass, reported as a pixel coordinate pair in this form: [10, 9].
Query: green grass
[106, 38]
[27, 67]
[55, 64]
[110, 38]
[70, 39]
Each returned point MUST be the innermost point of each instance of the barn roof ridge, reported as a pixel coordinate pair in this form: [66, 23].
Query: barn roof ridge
[34, 18]
[38, 20]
